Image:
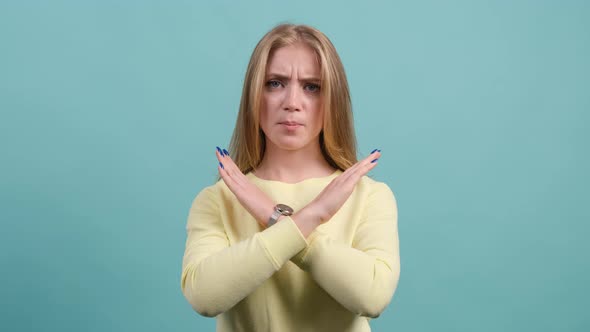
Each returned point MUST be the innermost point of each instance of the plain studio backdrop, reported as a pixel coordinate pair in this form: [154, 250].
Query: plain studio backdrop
[111, 111]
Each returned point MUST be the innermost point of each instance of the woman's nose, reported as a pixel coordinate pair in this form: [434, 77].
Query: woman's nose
[293, 98]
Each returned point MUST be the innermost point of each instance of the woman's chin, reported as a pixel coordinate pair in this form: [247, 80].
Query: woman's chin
[291, 143]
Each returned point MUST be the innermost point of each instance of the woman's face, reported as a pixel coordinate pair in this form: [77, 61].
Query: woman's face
[292, 115]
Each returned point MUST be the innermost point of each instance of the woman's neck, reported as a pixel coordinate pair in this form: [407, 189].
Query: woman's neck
[292, 166]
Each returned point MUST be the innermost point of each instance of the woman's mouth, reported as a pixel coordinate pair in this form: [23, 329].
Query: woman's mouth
[290, 125]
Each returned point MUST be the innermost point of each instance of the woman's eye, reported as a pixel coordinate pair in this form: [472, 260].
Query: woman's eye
[312, 87]
[273, 84]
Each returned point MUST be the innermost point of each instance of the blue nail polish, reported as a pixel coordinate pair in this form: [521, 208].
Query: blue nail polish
[379, 150]
[219, 150]
[373, 151]
[220, 164]
[374, 160]
[225, 151]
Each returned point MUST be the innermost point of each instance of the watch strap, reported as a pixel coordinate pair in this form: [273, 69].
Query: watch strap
[273, 218]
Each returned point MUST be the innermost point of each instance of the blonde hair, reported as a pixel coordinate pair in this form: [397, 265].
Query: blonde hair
[337, 138]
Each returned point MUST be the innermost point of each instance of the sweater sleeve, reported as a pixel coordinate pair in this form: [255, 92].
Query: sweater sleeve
[216, 275]
[363, 276]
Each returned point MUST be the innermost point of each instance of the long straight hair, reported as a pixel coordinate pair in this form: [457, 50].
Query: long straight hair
[337, 138]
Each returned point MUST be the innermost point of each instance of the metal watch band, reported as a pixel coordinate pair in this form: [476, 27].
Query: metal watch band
[273, 218]
[280, 209]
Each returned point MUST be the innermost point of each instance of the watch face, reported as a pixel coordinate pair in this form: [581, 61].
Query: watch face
[284, 209]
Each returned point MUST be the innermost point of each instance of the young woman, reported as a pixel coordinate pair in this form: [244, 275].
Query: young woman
[293, 236]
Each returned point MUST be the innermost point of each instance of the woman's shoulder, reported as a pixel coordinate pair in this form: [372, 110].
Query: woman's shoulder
[212, 192]
[373, 187]
[371, 182]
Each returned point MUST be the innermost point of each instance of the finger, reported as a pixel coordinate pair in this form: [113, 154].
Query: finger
[219, 154]
[223, 172]
[361, 171]
[230, 165]
[229, 180]
[362, 168]
[368, 163]
[233, 171]
[375, 154]
[222, 166]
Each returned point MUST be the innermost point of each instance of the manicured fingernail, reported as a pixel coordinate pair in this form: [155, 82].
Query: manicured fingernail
[219, 150]
[225, 151]
[379, 150]
[373, 151]
[374, 160]
[220, 164]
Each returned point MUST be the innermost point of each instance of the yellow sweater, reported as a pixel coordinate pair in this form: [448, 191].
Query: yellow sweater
[274, 279]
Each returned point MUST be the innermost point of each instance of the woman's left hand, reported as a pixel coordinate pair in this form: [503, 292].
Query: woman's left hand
[251, 197]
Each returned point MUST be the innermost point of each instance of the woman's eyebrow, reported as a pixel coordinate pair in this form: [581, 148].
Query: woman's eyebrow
[286, 78]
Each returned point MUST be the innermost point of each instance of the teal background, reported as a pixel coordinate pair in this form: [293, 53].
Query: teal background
[111, 111]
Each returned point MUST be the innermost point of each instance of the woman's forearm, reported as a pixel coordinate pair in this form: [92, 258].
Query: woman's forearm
[216, 275]
[307, 219]
[363, 281]
[362, 275]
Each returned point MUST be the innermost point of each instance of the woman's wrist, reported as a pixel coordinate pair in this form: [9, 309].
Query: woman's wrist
[265, 213]
[307, 219]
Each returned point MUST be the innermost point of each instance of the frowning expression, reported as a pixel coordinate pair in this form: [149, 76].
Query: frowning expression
[291, 116]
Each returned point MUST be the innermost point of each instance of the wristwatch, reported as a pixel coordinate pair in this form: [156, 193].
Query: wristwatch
[280, 209]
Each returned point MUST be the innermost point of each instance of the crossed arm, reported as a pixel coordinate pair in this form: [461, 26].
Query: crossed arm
[361, 277]
[217, 275]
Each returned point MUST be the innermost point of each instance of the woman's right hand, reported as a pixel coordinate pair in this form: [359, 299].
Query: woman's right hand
[254, 200]
[331, 199]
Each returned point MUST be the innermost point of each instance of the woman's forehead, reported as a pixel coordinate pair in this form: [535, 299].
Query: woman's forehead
[298, 59]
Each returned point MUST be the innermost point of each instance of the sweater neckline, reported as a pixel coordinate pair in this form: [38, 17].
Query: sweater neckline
[312, 179]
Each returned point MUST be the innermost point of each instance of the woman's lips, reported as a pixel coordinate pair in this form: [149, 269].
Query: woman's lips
[290, 125]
